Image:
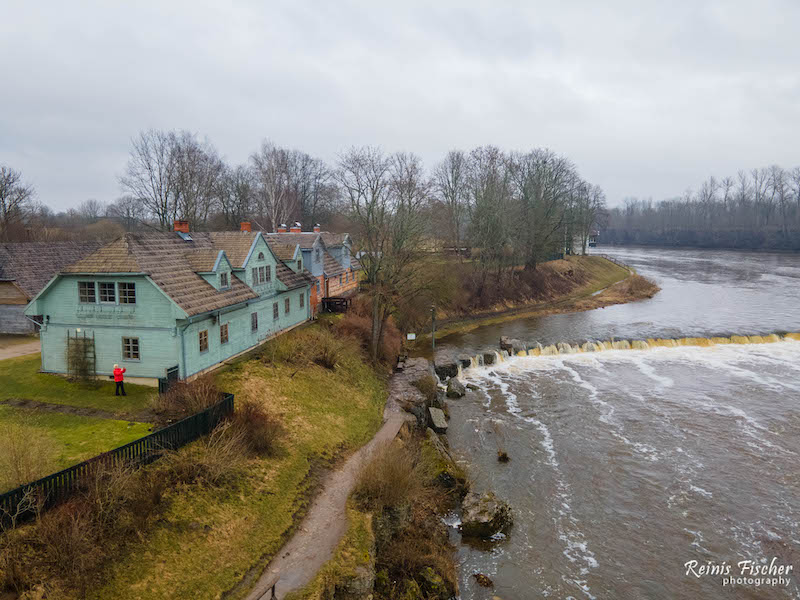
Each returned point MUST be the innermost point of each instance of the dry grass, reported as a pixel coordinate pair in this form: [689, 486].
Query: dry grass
[389, 480]
[429, 388]
[257, 429]
[633, 288]
[25, 454]
[357, 323]
[186, 398]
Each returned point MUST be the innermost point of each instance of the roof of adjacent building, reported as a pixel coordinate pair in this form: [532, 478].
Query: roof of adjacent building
[306, 239]
[173, 263]
[32, 264]
[331, 266]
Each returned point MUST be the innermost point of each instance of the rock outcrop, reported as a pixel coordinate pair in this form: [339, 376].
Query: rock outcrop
[484, 515]
[438, 420]
[455, 389]
[446, 370]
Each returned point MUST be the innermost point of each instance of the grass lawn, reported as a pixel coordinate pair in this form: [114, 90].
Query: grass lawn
[20, 378]
[70, 439]
[211, 538]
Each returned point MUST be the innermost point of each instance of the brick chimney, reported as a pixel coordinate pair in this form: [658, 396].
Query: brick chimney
[282, 228]
[245, 226]
[317, 228]
[296, 228]
[181, 226]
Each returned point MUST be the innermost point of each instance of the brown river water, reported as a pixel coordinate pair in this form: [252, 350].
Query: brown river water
[634, 470]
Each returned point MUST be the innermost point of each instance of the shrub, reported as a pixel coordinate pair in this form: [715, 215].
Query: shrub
[183, 399]
[310, 346]
[429, 388]
[26, 454]
[259, 431]
[212, 461]
[389, 479]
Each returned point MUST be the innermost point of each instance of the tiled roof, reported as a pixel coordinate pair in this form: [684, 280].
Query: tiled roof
[173, 263]
[306, 239]
[282, 251]
[32, 264]
[293, 280]
[331, 266]
[355, 264]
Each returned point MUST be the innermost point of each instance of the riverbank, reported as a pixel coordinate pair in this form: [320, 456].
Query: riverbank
[396, 544]
[578, 283]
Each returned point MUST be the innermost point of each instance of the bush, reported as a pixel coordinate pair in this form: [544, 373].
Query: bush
[429, 388]
[389, 480]
[259, 431]
[26, 454]
[216, 459]
[183, 399]
[310, 346]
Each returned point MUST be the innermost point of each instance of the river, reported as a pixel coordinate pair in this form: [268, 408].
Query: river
[627, 465]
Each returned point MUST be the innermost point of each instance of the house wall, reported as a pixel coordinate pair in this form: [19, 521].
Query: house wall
[12, 307]
[349, 283]
[151, 319]
[240, 334]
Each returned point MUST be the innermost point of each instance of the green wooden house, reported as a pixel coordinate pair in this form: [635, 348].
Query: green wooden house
[170, 304]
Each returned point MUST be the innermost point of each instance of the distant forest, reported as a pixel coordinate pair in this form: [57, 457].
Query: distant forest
[759, 209]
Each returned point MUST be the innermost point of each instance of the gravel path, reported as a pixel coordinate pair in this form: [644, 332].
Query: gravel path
[14, 350]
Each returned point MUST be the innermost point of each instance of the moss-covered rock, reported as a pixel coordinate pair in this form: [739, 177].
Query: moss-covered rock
[484, 515]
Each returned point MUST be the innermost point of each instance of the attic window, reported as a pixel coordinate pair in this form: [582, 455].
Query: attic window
[223, 281]
[86, 292]
[260, 256]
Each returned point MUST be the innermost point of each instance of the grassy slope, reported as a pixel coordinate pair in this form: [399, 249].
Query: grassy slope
[74, 438]
[20, 378]
[601, 274]
[212, 538]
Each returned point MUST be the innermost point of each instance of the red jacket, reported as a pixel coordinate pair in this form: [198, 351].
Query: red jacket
[118, 374]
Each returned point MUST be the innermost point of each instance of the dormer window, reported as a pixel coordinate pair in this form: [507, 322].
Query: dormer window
[299, 264]
[223, 281]
[318, 254]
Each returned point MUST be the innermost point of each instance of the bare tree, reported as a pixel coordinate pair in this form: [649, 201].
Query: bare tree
[451, 185]
[236, 195]
[198, 172]
[91, 210]
[128, 210]
[271, 178]
[15, 198]
[151, 175]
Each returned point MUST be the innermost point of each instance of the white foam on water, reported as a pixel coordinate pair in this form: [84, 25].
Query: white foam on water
[576, 549]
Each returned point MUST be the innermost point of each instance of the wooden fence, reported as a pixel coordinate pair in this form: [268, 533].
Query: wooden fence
[54, 488]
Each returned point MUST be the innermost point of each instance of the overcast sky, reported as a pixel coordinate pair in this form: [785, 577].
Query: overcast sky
[647, 98]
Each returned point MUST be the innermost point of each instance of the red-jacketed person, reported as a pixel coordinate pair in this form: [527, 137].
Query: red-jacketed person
[119, 379]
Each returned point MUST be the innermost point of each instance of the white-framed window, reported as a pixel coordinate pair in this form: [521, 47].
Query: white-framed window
[202, 337]
[340, 280]
[317, 287]
[127, 293]
[108, 292]
[86, 292]
[287, 306]
[130, 348]
[254, 321]
[223, 281]
[275, 311]
[302, 299]
[318, 254]
[223, 333]
[260, 256]
[268, 273]
[299, 264]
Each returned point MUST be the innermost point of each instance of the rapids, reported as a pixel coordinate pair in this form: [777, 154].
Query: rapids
[635, 456]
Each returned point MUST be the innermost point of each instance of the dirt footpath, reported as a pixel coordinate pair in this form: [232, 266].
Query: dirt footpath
[14, 348]
[313, 545]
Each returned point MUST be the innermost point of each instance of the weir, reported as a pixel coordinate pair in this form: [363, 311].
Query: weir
[522, 349]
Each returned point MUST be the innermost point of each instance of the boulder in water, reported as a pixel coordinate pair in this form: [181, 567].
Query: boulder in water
[455, 389]
[465, 361]
[489, 358]
[473, 387]
[438, 420]
[484, 515]
[446, 370]
[483, 580]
